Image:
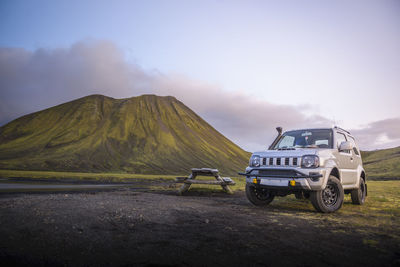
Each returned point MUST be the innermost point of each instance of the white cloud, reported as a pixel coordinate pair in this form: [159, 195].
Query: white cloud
[379, 134]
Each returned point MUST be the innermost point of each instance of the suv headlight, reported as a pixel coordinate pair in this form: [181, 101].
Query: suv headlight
[254, 161]
[310, 161]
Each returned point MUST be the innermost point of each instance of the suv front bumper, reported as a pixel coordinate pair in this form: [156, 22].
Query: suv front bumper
[280, 178]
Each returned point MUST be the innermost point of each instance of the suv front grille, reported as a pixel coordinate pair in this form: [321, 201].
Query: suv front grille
[273, 172]
[278, 161]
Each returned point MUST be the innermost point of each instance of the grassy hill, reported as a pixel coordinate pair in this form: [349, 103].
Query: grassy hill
[383, 163]
[147, 134]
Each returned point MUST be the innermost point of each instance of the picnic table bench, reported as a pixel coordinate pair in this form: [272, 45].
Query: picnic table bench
[224, 182]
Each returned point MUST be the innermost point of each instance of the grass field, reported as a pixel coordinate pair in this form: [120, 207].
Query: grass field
[381, 209]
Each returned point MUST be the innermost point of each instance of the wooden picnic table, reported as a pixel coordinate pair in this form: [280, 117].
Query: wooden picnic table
[224, 182]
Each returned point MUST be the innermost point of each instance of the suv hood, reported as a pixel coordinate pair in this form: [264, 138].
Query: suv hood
[287, 153]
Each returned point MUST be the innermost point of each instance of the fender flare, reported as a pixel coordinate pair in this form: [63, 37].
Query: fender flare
[331, 169]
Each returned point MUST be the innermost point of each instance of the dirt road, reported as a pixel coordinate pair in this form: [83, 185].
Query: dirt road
[127, 227]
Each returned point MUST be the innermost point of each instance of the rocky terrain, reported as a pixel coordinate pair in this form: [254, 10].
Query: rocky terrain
[134, 227]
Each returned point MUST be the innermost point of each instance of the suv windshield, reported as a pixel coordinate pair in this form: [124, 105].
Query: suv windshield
[315, 138]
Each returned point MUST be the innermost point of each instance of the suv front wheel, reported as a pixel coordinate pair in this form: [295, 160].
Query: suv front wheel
[329, 199]
[259, 196]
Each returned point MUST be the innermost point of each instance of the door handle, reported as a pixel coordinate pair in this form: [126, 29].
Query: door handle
[351, 158]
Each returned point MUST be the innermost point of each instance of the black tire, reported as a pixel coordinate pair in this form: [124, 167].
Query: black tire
[358, 195]
[330, 199]
[306, 195]
[259, 196]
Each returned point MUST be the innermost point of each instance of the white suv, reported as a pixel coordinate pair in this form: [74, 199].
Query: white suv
[320, 164]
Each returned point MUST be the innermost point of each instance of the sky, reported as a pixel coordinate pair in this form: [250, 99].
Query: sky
[244, 66]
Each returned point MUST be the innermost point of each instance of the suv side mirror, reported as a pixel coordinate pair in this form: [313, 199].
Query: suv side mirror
[346, 145]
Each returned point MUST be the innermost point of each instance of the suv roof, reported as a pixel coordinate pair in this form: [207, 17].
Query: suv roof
[323, 128]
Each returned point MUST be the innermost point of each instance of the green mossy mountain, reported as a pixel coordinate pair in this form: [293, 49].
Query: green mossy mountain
[381, 164]
[147, 134]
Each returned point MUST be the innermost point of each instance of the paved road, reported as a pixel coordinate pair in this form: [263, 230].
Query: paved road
[17, 186]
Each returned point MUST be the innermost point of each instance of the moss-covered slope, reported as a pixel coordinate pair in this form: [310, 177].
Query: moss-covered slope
[146, 134]
[383, 163]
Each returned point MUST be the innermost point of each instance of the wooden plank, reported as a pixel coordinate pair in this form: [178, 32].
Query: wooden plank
[180, 179]
[227, 189]
[185, 187]
[192, 181]
[227, 180]
[205, 171]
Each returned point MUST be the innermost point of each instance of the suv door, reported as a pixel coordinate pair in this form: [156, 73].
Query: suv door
[356, 158]
[345, 161]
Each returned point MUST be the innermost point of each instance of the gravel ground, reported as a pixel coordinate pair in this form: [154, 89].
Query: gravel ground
[129, 227]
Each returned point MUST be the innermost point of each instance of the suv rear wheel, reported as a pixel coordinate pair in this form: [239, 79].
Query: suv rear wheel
[259, 196]
[358, 195]
[329, 199]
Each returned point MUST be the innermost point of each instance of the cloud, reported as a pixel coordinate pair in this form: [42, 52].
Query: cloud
[31, 81]
[379, 134]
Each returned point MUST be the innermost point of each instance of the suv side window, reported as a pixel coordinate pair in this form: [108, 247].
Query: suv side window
[353, 142]
[339, 139]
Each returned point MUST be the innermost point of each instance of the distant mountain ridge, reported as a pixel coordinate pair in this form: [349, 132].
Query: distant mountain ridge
[147, 134]
[382, 164]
